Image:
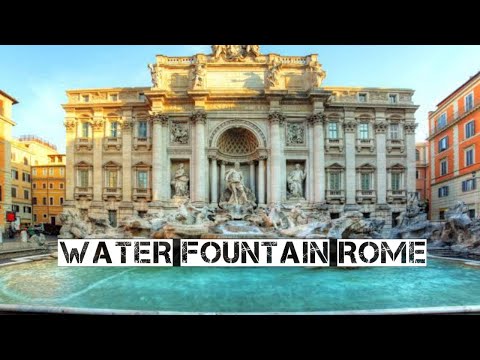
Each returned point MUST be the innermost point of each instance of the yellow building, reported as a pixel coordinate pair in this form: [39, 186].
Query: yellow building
[6, 123]
[27, 151]
[48, 190]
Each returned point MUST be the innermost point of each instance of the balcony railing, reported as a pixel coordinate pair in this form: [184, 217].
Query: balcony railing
[335, 196]
[84, 143]
[85, 192]
[112, 143]
[365, 144]
[366, 196]
[333, 144]
[395, 144]
[112, 192]
[142, 193]
[396, 196]
[142, 143]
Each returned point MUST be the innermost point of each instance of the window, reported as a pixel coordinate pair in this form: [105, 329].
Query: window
[113, 97]
[469, 157]
[417, 155]
[34, 186]
[471, 213]
[469, 129]
[50, 171]
[85, 129]
[34, 201]
[142, 129]
[394, 131]
[141, 97]
[27, 209]
[365, 181]
[469, 185]
[61, 201]
[362, 97]
[51, 201]
[50, 186]
[14, 174]
[35, 218]
[392, 98]
[363, 131]
[111, 178]
[26, 194]
[44, 201]
[114, 129]
[366, 215]
[62, 171]
[333, 130]
[334, 181]
[443, 167]
[44, 185]
[396, 177]
[441, 215]
[15, 208]
[14, 192]
[60, 185]
[442, 121]
[442, 191]
[23, 177]
[83, 178]
[469, 102]
[142, 179]
[443, 144]
[25, 161]
[44, 216]
[34, 171]
[1, 193]
[44, 171]
[85, 98]
[416, 174]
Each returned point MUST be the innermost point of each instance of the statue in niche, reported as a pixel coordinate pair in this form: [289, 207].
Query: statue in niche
[234, 179]
[199, 74]
[295, 182]
[273, 75]
[295, 134]
[180, 182]
[179, 134]
[318, 74]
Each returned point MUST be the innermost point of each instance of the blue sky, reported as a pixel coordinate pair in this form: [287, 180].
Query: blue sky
[37, 76]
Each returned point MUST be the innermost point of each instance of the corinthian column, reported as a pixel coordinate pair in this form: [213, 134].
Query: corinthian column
[214, 180]
[275, 190]
[318, 158]
[222, 176]
[98, 127]
[380, 134]
[158, 158]
[70, 125]
[261, 181]
[410, 149]
[350, 127]
[127, 125]
[199, 118]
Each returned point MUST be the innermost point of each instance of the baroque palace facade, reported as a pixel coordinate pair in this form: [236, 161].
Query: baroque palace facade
[339, 148]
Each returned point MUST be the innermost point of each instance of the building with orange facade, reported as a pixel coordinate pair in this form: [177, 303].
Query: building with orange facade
[6, 123]
[48, 190]
[454, 139]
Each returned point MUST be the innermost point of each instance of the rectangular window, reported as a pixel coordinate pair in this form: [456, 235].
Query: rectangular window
[35, 218]
[85, 98]
[61, 201]
[441, 215]
[23, 177]
[14, 174]
[1, 193]
[471, 213]
[396, 177]
[14, 192]
[44, 186]
[365, 181]
[362, 97]
[83, 178]
[142, 179]
[443, 144]
[394, 131]
[442, 121]
[113, 97]
[469, 185]
[469, 102]
[114, 129]
[416, 174]
[111, 178]
[50, 186]
[85, 130]
[141, 97]
[443, 167]
[26, 194]
[469, 155]
[44, 201]
[334, 181]
[363, 131]
[44, 171]
[392, 98]
[27, 209]
[442, 191]
[62, 172]
[470, 129]
[50, 171]
[60, 185]
[15, 208]
[34, 201]
[51, 201]
[142, 129]
[34, 171]
[333, 130]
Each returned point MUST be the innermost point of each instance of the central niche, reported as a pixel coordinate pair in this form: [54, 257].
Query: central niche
[236, 142]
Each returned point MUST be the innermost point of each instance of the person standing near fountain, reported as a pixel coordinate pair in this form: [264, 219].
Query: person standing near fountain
[234, 179]
[295, 182]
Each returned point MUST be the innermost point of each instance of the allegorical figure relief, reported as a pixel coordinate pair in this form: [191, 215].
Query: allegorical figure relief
[179, 134]
[295, 134]
[235, 52]
[234, 179]
[318, 74]
[295, 182]
[180, 181]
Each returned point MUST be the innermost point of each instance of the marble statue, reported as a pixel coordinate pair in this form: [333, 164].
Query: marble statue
[180, 181]
[179, 134]
[218, 50]
[199, 74]
[295, 182]
[318, 74]
[153, 73]
[273, 74]
[297, 216]
[235, 52]
[234, 180]
[295, 134]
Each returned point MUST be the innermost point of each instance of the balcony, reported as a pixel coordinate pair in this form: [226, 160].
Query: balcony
[83, 193]
[368, 144]
[366, 196]
[333, 144]
[112, 143]
[84, 144]
[396, 196]
[112, 193]
[335, 196]
[142, 193]
[395, 144]
[142, 143]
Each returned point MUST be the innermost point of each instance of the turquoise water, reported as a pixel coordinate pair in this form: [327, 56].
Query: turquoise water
[442, 283]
